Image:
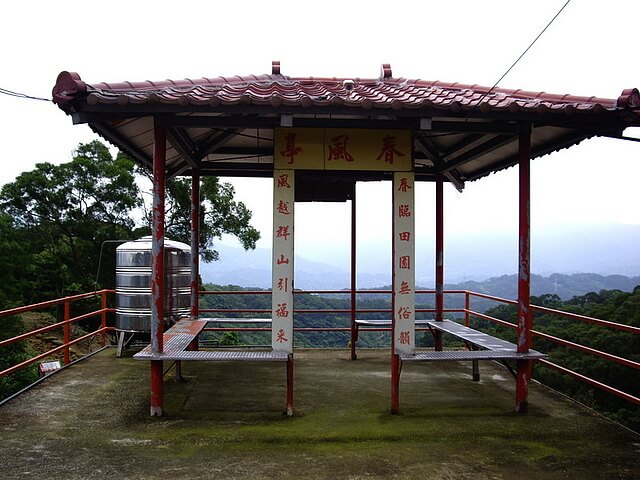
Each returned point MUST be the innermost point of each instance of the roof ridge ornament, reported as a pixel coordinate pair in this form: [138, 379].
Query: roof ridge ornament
[275, 67]
[385, 71]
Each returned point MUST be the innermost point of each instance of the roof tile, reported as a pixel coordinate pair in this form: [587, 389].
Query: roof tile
[386, 92]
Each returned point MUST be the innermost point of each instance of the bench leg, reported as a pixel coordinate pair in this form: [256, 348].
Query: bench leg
[289, 412]
[179, 371]
[475, 371]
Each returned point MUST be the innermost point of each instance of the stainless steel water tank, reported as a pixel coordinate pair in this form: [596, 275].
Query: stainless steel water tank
[133, 283]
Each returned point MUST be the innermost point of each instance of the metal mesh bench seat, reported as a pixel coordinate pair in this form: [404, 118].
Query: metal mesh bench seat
[177, 339]
[216, 356]
[492, 348]
[473, 355]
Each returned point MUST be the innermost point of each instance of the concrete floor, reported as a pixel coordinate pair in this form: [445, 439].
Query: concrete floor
[225, 420]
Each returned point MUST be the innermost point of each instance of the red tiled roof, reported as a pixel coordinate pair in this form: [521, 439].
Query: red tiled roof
[277, 90]
[225, 125]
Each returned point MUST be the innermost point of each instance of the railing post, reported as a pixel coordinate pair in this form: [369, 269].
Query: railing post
[467, 307]
[103, 316]
[67, 333]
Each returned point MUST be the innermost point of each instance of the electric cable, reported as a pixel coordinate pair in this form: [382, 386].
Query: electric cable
[11, 93]
[521, 55]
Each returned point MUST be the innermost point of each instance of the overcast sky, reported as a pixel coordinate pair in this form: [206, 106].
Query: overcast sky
[591, 49]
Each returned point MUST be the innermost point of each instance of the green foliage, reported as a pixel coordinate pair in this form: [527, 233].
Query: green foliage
[14, 354]
[63, 213]
[219, 214]
[56, 217]
[612, 305]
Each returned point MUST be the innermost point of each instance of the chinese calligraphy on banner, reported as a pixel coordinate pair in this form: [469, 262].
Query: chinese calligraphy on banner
[403, 263]
[342, 149]
[282, 281]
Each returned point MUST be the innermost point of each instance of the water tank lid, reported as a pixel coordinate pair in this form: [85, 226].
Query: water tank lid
[144, 243]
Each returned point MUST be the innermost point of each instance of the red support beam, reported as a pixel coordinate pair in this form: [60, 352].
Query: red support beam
[354, 332]
[195, 243]
[395, 382]
[523, 371]
[439, 256]
[289, 411]
[157, 281]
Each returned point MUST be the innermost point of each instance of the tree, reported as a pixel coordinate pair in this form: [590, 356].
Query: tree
[219, 214]
[63, 214]
[66, 211]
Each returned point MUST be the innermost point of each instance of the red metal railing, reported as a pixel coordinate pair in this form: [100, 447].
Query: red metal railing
[65, 325]
[468, 312]
[566, 343]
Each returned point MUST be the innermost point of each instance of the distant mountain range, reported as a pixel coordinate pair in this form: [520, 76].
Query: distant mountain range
[559, 259]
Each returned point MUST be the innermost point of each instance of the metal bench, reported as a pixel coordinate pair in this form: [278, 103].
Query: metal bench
[493, 348]
[178, 345]
[180, 336]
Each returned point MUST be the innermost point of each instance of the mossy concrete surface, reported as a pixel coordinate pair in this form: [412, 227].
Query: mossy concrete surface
[225, 421]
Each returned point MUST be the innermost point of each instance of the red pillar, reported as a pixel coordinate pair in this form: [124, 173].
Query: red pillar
[157, 282]
[195, 243]
[395, 383]
[524, 271]
[354, 337]
[289, 411]
[439, 256]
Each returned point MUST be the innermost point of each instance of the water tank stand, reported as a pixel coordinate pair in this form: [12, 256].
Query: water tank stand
[123, 342]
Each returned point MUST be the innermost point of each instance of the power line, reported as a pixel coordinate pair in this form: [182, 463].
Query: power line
[523, 53]
[11, 93]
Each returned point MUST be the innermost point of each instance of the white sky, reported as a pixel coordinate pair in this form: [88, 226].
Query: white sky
[589, 50]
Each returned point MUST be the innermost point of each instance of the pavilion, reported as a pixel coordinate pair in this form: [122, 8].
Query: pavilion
[317, 137]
